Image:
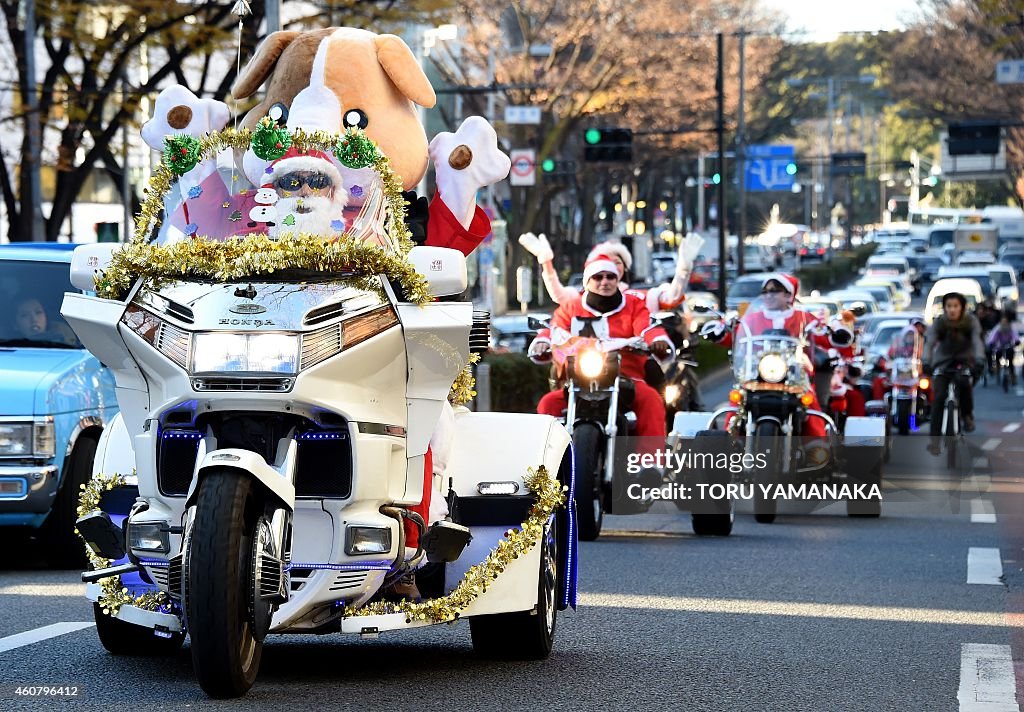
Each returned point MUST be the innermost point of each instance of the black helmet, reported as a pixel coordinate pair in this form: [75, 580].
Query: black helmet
[957, 296]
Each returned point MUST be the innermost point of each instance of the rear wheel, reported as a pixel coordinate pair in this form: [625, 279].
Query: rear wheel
[588, 447]
[121, 638]
[222, 614]
[716, 516]
[767, 441]
[524, 635]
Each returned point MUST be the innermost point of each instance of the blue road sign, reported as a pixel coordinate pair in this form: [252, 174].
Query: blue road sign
[766, 168]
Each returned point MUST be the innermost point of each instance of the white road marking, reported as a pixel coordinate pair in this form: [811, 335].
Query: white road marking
[43, 589]
[838, 611]
[40, 634]
[983, 511]
[981, 461]
[987, 682]
[991, 444]
[984, 566]
[1011, 427]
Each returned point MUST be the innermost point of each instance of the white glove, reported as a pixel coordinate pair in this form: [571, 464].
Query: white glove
[713, 331]
[538, 246]
[689, 248]
[540, 351]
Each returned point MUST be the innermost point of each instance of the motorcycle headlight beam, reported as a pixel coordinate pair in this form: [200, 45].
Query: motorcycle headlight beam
[590, 363]
[245, 353]
[671, 393]
[772, 368]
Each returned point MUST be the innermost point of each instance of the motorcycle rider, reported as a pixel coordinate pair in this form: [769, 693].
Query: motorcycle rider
[626, 316]
[778, 292]
[954, 338]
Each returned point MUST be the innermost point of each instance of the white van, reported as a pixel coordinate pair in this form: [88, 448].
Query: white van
[967, 287]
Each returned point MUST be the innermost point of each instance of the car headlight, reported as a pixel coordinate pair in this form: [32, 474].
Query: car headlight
[367, 540]
[28, 438]
[590, 363]
[772, 368]
[245, 353]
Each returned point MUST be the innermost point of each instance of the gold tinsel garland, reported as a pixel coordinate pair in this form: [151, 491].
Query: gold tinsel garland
[463, 390]
[230, 259]
[113, 594]
[550, 495]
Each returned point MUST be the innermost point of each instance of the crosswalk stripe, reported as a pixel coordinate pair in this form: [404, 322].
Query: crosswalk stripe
[982, 512]
[984, 566]
[987, 682]
[37, 635]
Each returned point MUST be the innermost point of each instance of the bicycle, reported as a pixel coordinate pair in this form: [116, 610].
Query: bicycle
[1004, 368]
[952, 419]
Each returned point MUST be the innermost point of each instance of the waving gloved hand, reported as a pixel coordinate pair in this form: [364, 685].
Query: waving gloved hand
[538, 246]
[689, 248]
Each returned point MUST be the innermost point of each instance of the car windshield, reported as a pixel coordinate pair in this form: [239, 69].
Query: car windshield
[33, 292]
[745, 289]
[883, 338]
[1002, 278]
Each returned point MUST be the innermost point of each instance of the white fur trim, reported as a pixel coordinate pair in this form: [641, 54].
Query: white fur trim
[613, 248]
[595, 266]
[780, 278]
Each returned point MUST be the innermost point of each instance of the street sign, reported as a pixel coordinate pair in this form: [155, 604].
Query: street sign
[522, 114]
[766, 167]
[1010, 71]
[524, 163]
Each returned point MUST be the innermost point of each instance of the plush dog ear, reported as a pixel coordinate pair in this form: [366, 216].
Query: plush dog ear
[401, 66]
[262, 63]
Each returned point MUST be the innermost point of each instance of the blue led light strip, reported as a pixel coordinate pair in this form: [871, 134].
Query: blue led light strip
[368, 566]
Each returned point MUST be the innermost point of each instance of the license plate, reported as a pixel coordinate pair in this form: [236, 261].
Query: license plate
[12, 487]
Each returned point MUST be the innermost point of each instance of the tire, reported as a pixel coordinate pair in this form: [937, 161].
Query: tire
[63, 548]
[225, 651]
[120, 638]
[867, 508]
[524, 635]
[765, 509]
[588, 446]
[903, 417]
[719, 522]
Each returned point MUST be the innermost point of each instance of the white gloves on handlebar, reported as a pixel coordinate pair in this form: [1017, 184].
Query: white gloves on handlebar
[538, 246]
[713, 331]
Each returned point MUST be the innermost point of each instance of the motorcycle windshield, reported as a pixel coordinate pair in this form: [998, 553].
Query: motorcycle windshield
[310, 198]
[766, 353]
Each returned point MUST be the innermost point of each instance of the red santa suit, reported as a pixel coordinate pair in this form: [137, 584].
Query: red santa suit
[626, 320]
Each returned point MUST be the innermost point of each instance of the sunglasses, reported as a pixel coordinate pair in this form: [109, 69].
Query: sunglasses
[773, 291]
[603, 276]
[294, 181]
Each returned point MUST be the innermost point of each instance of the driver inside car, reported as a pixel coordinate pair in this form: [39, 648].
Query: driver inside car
[777, 313]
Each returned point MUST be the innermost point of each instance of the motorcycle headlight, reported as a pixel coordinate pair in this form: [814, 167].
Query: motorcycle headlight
[245, 353]
[671, 393]
[29, 438]
[772, 368]
[590, 363]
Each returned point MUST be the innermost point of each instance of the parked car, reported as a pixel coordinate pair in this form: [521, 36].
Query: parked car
[970, 288]
[55, 400]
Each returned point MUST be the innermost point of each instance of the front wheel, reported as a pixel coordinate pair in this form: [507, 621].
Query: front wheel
[219, 601]
[524, 635]
[588, 446]
[767, 441]
[120, 638]
[903, 416]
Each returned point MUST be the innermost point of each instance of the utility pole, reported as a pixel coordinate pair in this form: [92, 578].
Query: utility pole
[831, 137]
[723, 247]
[31, 186]
[273, 11]
[741, 156]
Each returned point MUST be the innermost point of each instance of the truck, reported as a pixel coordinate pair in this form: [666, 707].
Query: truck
[980, 237]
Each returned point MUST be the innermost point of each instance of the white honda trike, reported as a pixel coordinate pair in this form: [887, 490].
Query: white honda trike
[272, 442]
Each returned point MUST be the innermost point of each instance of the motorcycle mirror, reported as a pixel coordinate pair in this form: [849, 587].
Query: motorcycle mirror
[537, 323]
[859, 309]
[702, 308]
[663, 316]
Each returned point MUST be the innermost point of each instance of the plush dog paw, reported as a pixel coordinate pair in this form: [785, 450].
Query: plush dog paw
[179, 112]
[471, 152]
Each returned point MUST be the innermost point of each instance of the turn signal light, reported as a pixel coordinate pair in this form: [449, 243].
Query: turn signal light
[735, 396]
[807, 399]
[924, 384]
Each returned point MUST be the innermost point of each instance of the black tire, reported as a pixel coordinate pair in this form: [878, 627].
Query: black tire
[767, 434]
[867, 508]
[903, 417]
[588, 446]
[120, 638]
[524, 635]
[718, 516]
[225, 652]
[63, 548]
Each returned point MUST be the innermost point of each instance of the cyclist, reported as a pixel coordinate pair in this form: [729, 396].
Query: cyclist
[953, 339]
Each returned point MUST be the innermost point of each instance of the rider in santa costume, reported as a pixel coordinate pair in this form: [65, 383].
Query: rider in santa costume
[625, 316]
[778, 292]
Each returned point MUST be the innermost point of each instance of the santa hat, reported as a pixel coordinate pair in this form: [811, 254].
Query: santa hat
[311, 160]
[789, 283]
[616, 249]
[596, 264]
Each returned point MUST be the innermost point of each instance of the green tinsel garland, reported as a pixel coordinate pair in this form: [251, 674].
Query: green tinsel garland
[181, 153]
[356, 150]
[270, 141]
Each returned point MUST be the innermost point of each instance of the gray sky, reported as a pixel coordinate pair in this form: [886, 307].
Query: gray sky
[825, 19]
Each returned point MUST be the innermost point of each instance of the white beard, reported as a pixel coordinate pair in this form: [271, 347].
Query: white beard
[322, 212]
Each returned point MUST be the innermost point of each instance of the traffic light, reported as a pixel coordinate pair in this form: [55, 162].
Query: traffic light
[547, 165]
[716, 178]
[791, 168]
[849, 164]
[969, 138]
[558, 172]
[608, 145]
